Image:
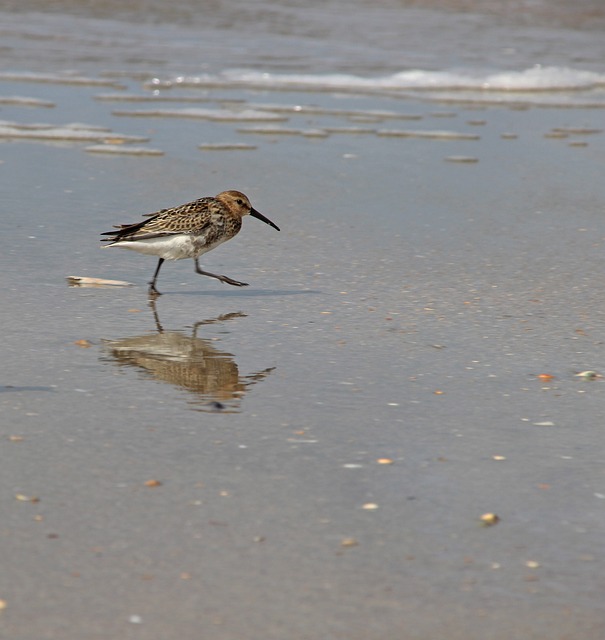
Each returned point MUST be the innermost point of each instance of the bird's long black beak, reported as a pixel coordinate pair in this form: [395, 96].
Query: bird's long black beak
[255, 214]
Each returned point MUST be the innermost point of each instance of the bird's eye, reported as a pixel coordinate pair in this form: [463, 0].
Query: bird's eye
[239, 201]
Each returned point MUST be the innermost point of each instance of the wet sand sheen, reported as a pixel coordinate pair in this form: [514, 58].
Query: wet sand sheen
[215, 459]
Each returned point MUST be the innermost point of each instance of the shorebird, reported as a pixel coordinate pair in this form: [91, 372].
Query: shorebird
[187, 231]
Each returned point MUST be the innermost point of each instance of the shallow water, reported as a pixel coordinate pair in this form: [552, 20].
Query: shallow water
[367, 38]
[403, 312]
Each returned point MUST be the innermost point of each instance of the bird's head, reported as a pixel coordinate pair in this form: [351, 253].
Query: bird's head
[239, 204]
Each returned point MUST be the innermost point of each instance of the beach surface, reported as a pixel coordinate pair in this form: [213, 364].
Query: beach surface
[396, 431]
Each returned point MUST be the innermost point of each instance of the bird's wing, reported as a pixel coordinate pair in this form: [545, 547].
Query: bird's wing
[193, 217]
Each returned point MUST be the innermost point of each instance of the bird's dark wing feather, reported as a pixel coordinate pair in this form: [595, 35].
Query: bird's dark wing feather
[136, 232]
[124, 230]
[165, 222]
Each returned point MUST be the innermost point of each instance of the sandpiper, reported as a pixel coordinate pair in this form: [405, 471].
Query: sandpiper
[187, 231]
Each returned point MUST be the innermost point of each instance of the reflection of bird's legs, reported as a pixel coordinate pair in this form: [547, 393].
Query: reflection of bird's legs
[221, 318]
[224, 279]
[156, 317]
[258, 376]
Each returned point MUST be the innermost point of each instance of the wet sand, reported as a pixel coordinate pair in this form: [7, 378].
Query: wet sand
[310, 456]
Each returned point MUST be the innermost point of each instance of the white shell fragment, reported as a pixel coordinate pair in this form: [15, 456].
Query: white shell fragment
[84, 281]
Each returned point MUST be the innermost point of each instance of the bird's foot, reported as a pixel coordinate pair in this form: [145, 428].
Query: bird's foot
[153, 292]
[231, 281]
[225, 279]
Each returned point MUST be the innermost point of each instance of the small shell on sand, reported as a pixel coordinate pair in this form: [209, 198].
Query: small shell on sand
[83, 281]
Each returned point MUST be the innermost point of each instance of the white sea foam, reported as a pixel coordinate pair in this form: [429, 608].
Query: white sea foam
[74, 132]
[219, 115]
[21, 101]
[226, 146]
[57, 78]
[435, 135]
[583, 99]
[132, 97]
[304, 109]
[277, 130]
[123, 150]
[537, 79]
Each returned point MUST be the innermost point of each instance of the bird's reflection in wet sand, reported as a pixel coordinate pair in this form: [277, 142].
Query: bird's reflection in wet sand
[191, 363]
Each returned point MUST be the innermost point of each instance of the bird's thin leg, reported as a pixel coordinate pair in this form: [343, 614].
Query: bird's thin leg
[152, 290]
[224, 279]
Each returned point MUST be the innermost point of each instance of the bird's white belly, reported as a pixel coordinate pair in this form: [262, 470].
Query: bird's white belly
[175, 247]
